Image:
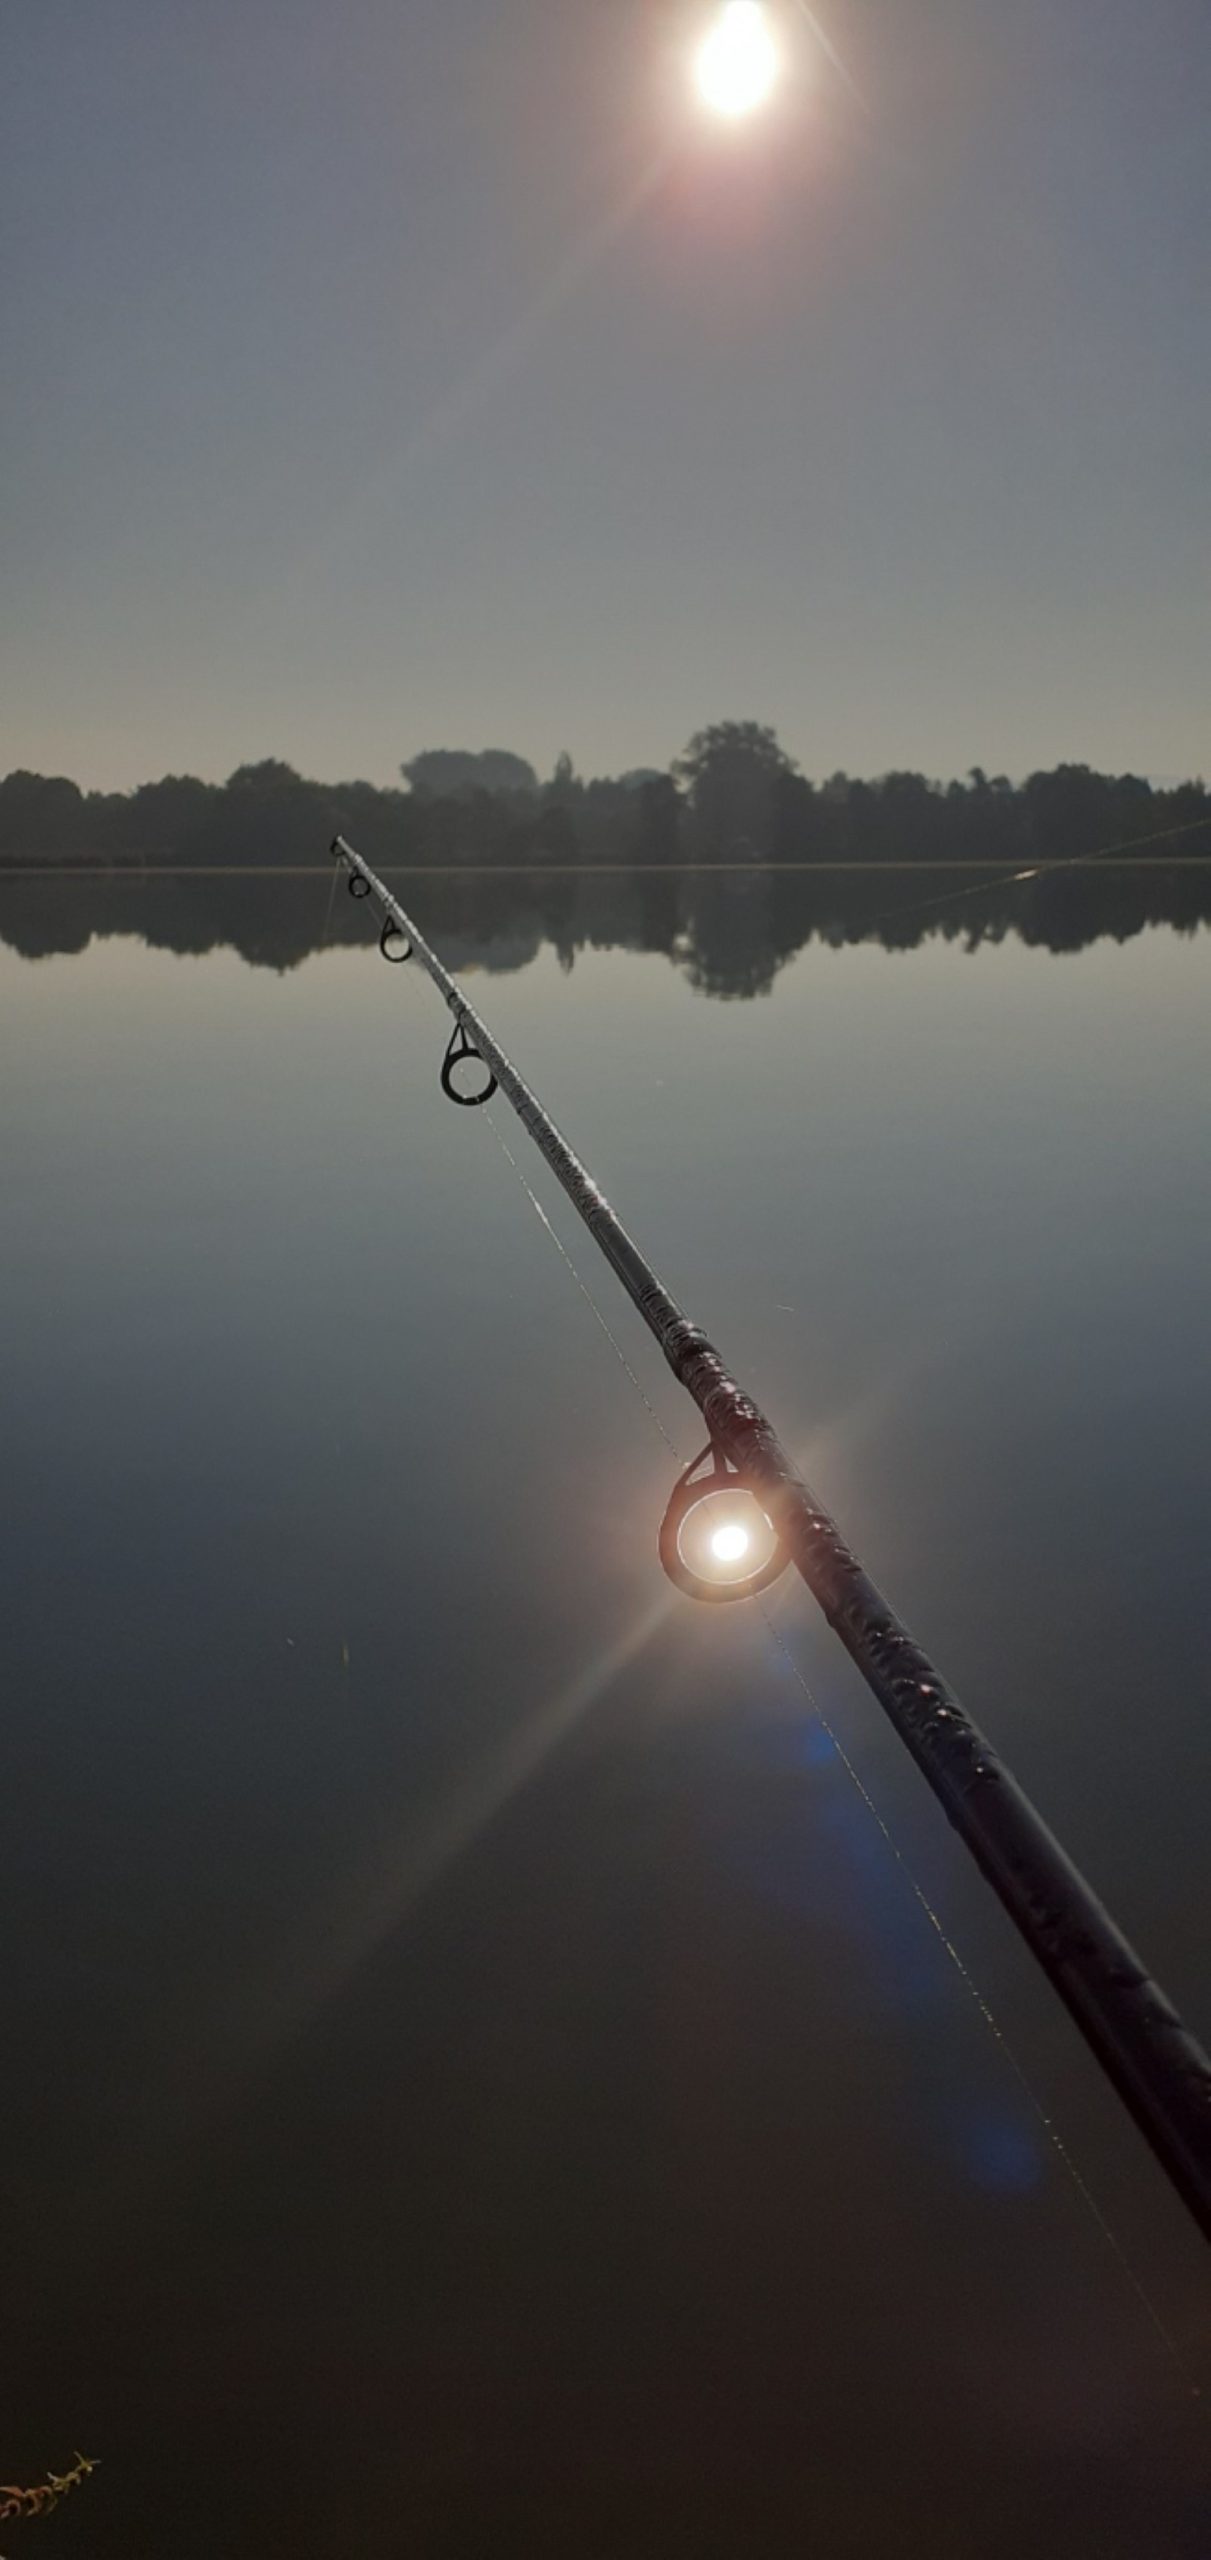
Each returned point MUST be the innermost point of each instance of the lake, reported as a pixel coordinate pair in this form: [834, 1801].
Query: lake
[489, 2070]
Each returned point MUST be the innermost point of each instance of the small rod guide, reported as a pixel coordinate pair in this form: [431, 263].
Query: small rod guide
[1159, 2070]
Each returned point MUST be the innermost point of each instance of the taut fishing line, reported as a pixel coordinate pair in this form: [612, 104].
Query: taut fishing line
[583, 1286]
[328, 909]
[1033, 871]
[1079, 2184]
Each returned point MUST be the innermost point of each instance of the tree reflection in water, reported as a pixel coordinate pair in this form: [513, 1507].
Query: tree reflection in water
[729, 931]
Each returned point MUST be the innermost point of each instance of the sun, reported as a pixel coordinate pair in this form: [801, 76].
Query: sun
[736, 64]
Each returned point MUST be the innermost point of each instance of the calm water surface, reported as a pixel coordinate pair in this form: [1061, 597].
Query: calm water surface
[479, 2079]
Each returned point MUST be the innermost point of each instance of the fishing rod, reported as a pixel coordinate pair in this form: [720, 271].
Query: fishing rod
[740, 1514]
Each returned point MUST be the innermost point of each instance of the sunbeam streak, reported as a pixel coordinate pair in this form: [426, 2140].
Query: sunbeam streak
[487, 373]
[831, 55]
[201, 2086]
[407, 1867]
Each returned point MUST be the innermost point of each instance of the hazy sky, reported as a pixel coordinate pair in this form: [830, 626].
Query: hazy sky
[389, 376]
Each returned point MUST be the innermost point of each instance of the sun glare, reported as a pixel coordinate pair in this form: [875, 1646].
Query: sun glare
[737, 62]
[730, 1543]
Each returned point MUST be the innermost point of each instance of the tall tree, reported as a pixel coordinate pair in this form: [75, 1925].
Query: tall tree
[731, 774]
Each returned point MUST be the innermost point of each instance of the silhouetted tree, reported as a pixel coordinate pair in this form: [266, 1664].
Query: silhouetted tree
[453, 772]
[657, 825]
[42, 818]
[730, 773]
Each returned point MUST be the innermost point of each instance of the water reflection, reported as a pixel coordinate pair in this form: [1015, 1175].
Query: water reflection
[480, 2080]
[729, 932]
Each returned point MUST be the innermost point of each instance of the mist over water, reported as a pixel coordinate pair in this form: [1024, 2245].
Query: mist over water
[479, 2078]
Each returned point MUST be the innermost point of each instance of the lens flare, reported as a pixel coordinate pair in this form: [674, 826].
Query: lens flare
[737, 62]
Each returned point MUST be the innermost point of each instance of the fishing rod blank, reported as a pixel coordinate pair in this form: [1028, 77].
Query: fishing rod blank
[1159, 2070]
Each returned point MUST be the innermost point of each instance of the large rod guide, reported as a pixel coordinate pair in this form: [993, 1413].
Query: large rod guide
[1156, 2065]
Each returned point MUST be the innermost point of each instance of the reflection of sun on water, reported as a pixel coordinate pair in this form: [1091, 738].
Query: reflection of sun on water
[737, 62]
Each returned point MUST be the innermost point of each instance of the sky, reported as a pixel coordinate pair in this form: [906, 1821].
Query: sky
[382, 377]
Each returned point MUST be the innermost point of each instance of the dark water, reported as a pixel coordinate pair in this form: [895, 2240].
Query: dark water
[477, 2078]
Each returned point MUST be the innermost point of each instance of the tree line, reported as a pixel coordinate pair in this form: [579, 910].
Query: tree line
[734, 795]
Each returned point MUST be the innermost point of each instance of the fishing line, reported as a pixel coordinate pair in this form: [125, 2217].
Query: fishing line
[585, 1291]
[1064, 2153]
[1035, 871]
[328, 911]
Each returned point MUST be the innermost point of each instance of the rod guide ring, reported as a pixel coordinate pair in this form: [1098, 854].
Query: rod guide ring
[716, 1542]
